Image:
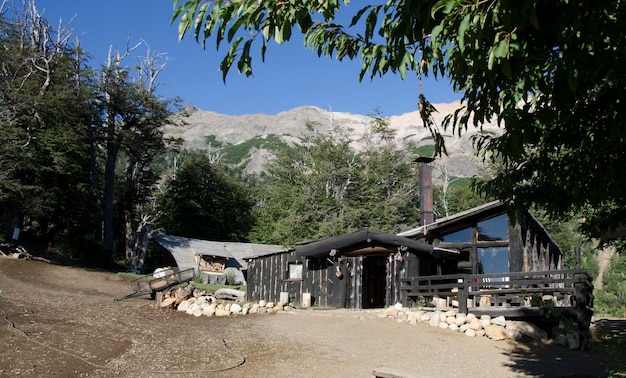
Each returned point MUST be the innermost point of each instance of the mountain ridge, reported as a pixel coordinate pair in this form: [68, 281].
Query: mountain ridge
[195, 125]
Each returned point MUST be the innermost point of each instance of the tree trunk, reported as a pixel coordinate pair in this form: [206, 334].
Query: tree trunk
[108, 231]
[139, 248]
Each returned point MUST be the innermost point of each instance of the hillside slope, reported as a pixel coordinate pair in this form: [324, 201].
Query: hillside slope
[199, 124]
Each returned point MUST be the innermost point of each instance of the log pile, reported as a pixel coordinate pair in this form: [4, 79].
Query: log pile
[18, 252]
[223, 302]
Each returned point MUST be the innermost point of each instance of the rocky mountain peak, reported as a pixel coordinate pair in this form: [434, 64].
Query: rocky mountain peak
[199, 124]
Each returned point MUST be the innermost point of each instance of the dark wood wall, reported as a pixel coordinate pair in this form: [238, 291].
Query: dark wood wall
[533, 249]
[268, 276]
[333, 281]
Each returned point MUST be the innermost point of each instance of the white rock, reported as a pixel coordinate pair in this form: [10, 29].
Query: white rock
[221, 312]
[463, 327]
[183, 306]
[425, 317]
[495, 332]
[485, 323]
[450, 313]
[442, 317]
[208, 311]
[197, 312]
[499, 320]
[398, 306]
[443, 325]
[189, 310]
[451, 320]
[269, 304]
[460, 319]
[235, 308]
[262, 303]
[391, 312]
[434, 319]
[470, 317]
[527, 329]
[476, 325]
[245, 310]
[201, 300]
[470, 332]
[480, 333]
[453, 327]
[412, 319]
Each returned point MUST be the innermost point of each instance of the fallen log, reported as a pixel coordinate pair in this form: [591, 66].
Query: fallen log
[230, 294]
[185, 292]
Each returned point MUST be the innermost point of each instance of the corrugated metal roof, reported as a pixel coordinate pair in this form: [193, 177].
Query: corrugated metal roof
[184, 250]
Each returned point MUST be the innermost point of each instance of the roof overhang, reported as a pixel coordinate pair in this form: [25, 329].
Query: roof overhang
[365, 242]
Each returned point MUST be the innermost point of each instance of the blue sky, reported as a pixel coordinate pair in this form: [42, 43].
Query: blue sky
[291, 75]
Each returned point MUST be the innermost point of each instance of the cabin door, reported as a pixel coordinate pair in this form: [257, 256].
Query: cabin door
[374, 287]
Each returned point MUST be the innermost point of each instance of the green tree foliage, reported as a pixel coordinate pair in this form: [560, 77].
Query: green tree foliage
[612, 300]
[200, 200]
[43, 171]
[326, 187]
[67, 135]
[549, 72]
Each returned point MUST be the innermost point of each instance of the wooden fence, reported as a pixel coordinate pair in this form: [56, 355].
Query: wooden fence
[562, 288]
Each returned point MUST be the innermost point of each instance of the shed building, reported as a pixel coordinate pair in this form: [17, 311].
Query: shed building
[215, 261]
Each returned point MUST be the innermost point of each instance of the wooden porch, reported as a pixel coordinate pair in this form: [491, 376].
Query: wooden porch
[514, 295]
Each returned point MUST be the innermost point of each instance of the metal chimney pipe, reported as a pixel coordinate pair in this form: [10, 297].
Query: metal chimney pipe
[426, 191]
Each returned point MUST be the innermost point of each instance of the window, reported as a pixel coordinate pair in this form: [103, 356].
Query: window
[464, 235]
[493, 260]
[494, 229]
[295, 271]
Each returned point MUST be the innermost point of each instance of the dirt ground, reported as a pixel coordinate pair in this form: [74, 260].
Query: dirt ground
[63, 321]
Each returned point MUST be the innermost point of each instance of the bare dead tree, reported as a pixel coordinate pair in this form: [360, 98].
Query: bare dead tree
[445, 186]
[150, 66]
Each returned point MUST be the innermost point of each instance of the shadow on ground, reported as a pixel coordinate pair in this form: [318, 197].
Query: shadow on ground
[603, 356]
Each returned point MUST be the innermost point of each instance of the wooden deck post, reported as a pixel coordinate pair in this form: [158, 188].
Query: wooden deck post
[463, 294]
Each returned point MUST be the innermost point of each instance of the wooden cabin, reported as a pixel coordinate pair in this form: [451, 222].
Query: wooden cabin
[476, 260]
[357, 270]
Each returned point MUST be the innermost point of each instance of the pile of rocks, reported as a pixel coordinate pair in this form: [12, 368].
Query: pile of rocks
[497, 328]
[208, 306]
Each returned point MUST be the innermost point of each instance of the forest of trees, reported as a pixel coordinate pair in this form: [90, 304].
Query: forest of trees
[84, 166]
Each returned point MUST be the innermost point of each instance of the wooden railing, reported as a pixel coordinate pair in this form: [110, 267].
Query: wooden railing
[569, 288]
